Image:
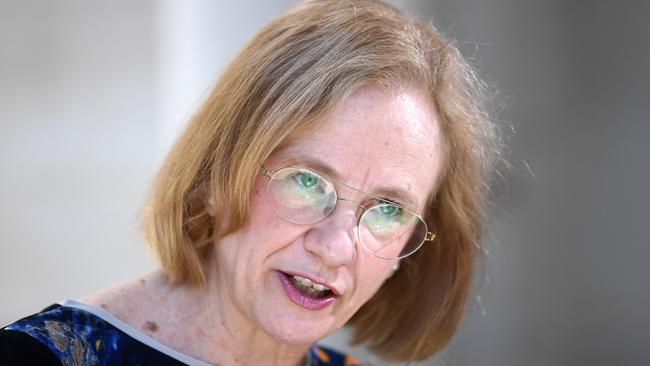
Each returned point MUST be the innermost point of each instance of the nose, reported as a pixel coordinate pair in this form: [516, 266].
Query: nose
[333, 239]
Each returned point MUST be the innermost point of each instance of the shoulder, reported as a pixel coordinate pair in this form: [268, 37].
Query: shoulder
[19, 348]
[74, 335]
[323, 356]
[61, 330]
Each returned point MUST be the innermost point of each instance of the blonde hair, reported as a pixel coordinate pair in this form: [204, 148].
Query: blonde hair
[289, 75]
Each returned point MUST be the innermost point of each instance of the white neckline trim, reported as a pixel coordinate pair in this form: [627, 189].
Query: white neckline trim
[139, 336]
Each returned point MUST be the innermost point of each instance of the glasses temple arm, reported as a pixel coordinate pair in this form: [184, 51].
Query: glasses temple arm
[266, 172]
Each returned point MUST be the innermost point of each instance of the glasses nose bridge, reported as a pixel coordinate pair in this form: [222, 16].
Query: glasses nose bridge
[356, 213]
[355, 203]
[338, 186]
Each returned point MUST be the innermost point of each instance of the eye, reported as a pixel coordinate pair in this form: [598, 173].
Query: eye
[300, 195]
[389, 210]
[306, 179]
[307, 187]
[386, 219]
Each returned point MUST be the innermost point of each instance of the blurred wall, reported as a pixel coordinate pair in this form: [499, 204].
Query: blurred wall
[567, 274]
[76, 147]
[93, 93]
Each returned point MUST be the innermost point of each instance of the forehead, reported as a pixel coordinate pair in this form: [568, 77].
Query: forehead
[376, 141]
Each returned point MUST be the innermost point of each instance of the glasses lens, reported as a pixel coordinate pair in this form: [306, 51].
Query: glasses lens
[301, 196]
[390, 231]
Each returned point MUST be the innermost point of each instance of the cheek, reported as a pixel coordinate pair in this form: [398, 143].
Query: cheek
[265, 227]
[371, 279]
[260, 211]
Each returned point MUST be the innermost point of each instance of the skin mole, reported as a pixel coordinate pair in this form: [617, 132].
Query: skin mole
[150, 326]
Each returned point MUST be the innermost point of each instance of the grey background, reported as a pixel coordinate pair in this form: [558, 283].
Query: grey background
[92, 93]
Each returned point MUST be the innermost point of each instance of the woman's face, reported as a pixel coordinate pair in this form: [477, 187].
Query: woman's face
[383, 143]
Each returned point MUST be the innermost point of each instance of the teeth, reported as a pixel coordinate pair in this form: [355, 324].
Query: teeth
[319, 287]
[308, 283]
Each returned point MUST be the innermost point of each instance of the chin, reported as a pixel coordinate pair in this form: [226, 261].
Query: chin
[291, 330]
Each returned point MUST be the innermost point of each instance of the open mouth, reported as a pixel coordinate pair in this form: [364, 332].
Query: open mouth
[309, 288]
[305, 292]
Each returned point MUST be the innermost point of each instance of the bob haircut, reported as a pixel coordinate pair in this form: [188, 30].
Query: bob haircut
[284, 81]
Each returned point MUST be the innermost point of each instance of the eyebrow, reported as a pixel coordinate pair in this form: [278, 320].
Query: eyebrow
[384, 193]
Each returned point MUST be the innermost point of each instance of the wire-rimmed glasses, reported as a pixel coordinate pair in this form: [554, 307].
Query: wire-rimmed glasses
[386, 229]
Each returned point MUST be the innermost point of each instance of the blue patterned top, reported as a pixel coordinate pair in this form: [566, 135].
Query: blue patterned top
[80, 334]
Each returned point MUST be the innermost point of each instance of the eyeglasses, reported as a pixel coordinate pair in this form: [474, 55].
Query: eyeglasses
[386, 229]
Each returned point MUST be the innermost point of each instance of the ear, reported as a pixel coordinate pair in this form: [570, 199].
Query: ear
[221, 218]
[393, 269]
[211, 208]
[396, 266]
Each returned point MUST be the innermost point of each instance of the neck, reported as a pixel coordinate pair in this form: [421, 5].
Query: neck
[215, 330]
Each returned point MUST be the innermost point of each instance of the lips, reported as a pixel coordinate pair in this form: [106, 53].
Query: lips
[305, 292]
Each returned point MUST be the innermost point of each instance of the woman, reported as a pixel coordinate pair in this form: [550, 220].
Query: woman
[334, 176]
